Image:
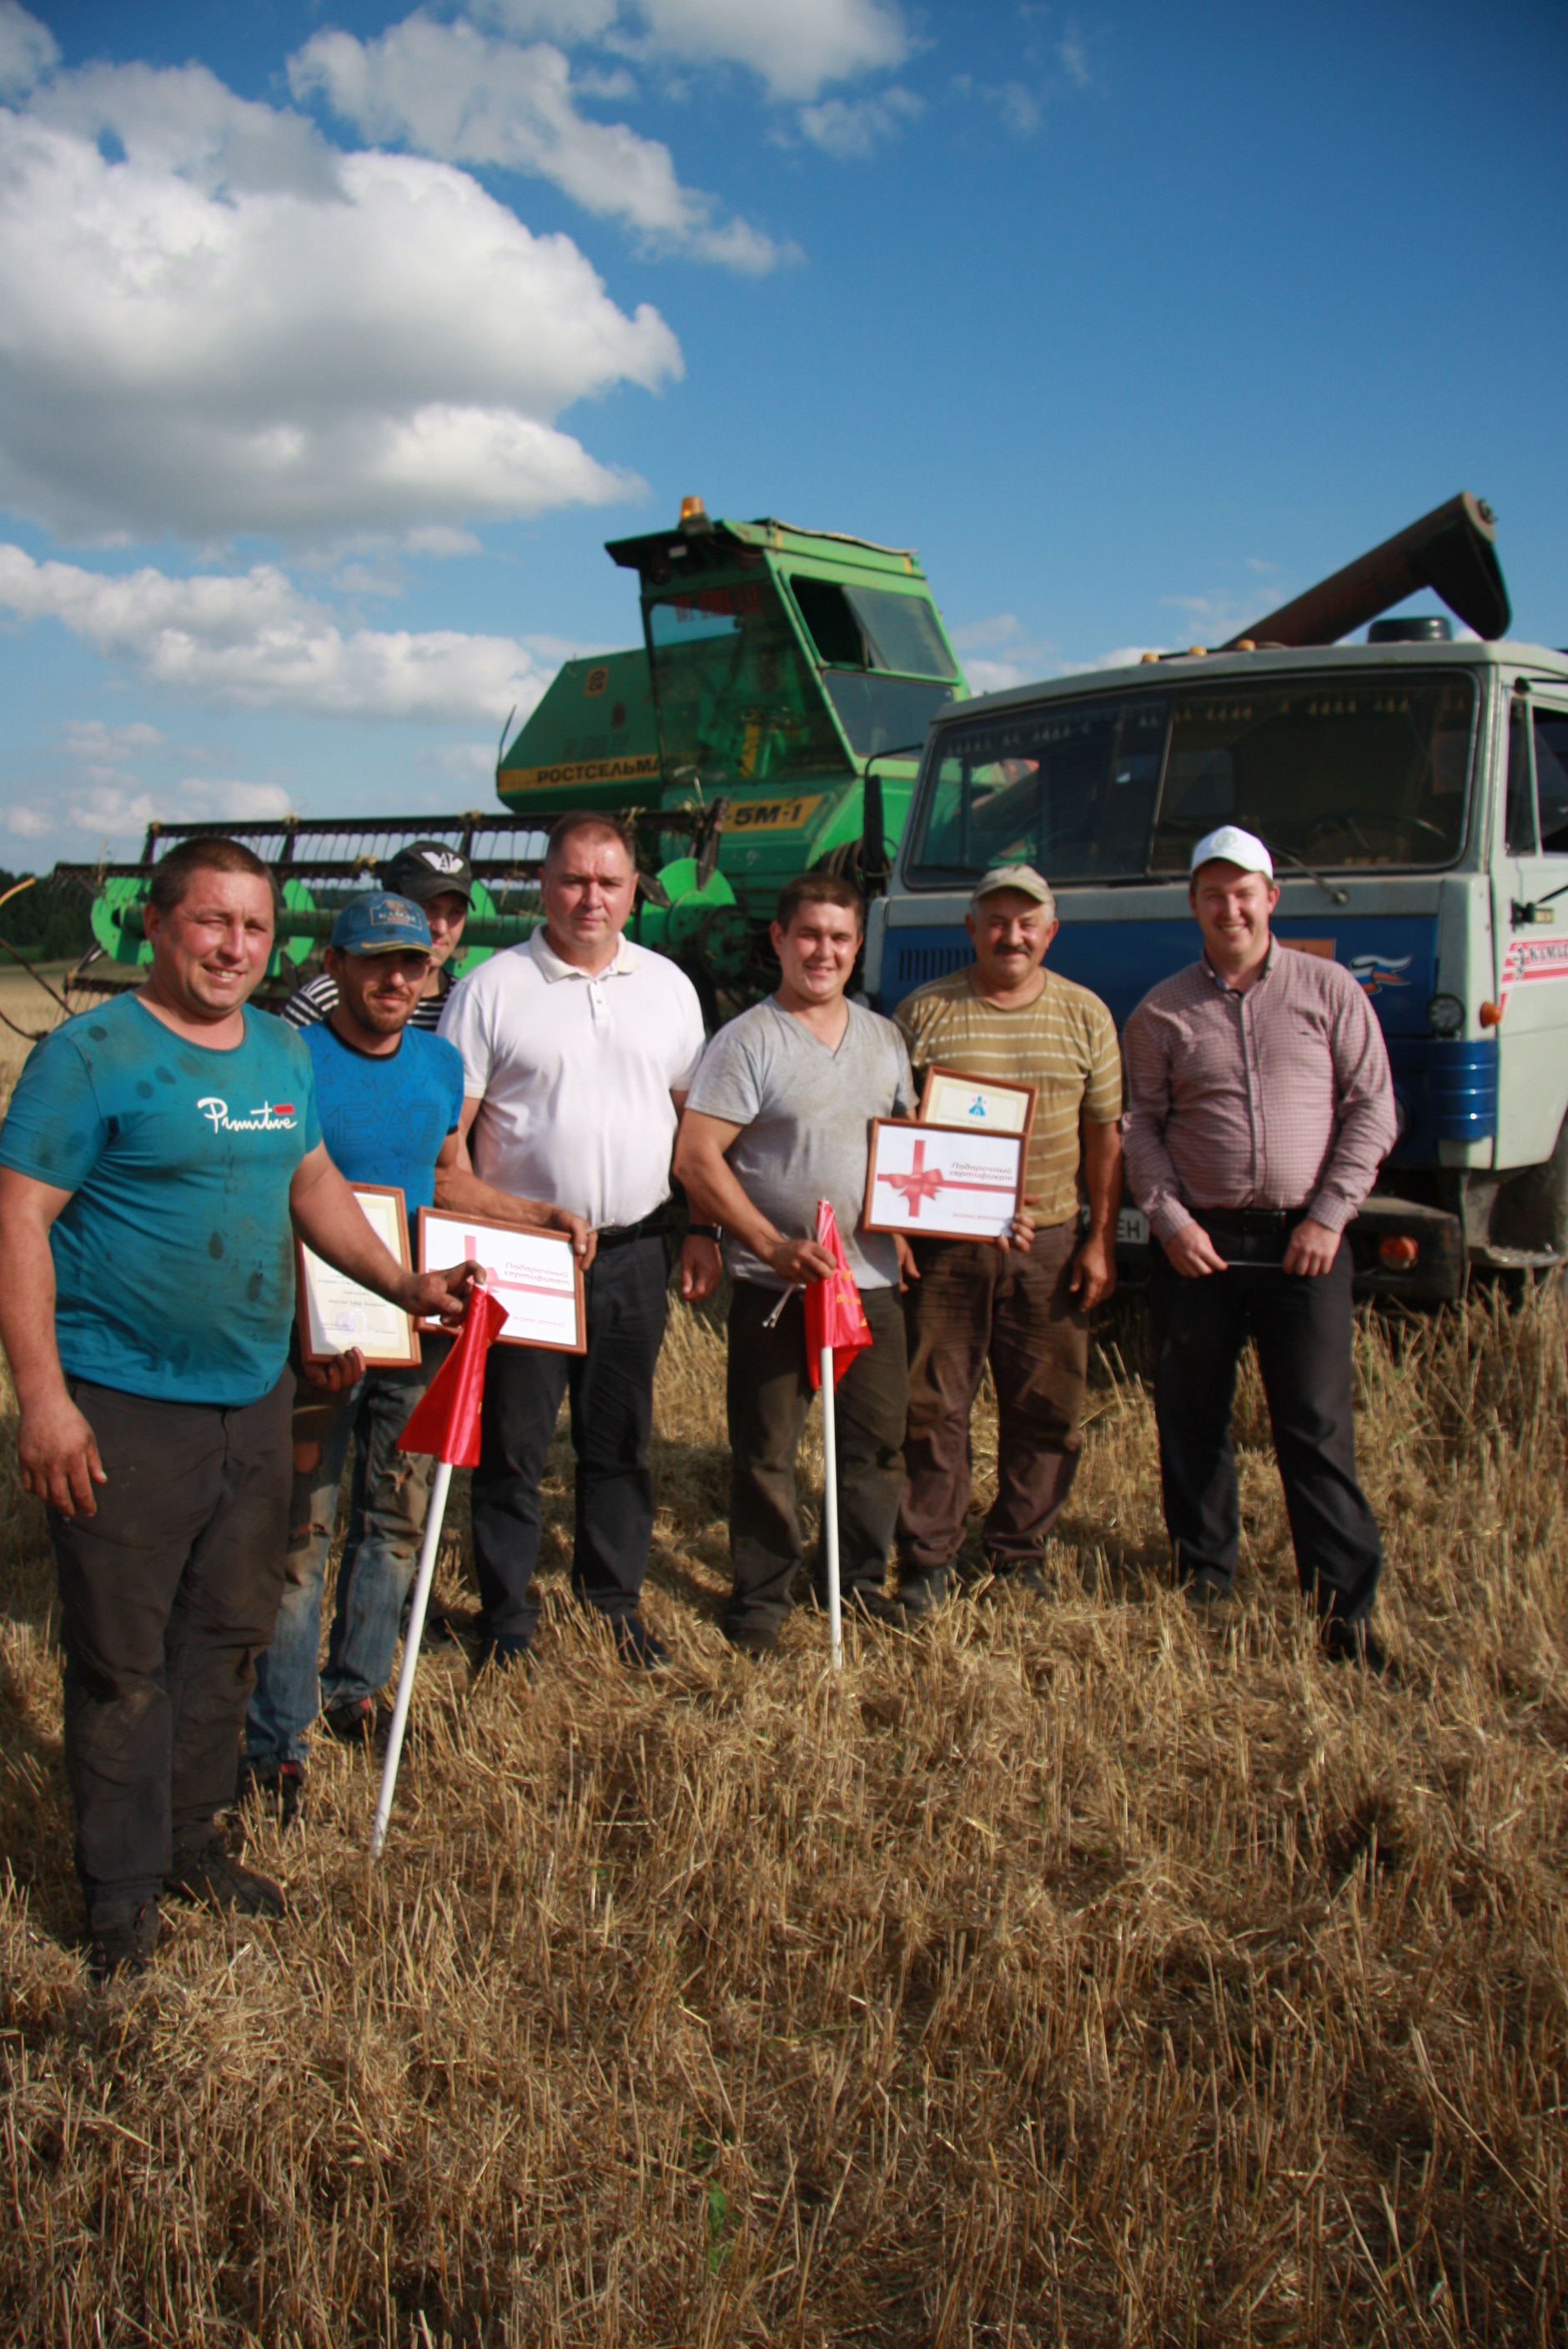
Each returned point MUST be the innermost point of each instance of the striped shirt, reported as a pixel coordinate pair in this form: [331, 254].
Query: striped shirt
[318, 996]
[1278, 1096]
[1063, 1043]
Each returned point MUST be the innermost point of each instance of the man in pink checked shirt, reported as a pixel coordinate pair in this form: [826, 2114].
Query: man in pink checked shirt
[1260, 1107]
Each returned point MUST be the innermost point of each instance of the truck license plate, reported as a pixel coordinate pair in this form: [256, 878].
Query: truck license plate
[1132, 1229]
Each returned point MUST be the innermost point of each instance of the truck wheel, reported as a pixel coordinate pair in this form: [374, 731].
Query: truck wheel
[1532, 1206]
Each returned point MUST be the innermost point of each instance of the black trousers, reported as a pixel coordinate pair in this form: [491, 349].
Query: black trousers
[612, 1392]
[167, 1596]
[1302, 1328]
[768, 1394]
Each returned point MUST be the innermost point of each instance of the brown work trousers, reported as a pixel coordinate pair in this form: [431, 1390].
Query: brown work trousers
[973, 1303]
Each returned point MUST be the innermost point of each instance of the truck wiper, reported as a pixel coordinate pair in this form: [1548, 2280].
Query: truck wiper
[1335, 896]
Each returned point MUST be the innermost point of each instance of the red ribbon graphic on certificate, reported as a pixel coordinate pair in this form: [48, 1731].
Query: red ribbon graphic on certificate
[924, 1182]
[517, 1288]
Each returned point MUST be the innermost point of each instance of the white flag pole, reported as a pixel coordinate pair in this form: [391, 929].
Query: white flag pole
[830, 1508]
[436, 1512]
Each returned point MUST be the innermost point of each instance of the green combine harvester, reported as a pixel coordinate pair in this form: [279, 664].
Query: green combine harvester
[772, 721]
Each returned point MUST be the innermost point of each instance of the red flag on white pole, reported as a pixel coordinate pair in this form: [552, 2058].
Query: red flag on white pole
[836, 1331]
[444, 1422]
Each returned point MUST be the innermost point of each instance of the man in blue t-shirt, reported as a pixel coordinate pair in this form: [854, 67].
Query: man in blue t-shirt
[157, 1160]
[390, 1100]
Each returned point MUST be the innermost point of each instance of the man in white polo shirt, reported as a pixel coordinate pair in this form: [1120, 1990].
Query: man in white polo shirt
[578, 1047]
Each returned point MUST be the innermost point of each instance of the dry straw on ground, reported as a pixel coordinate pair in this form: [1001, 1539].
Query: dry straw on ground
[1066, 1974]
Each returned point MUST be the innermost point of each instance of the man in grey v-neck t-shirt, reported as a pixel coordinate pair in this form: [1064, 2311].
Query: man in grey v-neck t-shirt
[778, 1116]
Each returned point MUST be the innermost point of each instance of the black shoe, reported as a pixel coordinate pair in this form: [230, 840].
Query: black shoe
[272, 1786]
[1357, 1643]
[754, 1639]
[923, 1589]
[508, 1651]
[121, 1940]
[1205, 1596]
[870, 1606]
[351, 1720]
[212, 1880]
[1019, 1581]
[637, 1646]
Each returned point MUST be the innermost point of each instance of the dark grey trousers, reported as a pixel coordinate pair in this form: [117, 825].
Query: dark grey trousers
[769, 1393]
[1303, 1329]
[167, 1596]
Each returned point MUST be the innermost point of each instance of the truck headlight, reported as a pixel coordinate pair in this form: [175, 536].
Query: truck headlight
[1445, 1015]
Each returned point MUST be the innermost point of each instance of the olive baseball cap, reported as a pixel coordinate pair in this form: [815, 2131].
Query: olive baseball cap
[1022, 877]
[426, 869]
[378, 924]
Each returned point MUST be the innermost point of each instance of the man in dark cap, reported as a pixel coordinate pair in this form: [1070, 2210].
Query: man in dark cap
[439, 881]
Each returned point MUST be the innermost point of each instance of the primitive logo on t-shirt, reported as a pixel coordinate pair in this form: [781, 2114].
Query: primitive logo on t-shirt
[273, 1117]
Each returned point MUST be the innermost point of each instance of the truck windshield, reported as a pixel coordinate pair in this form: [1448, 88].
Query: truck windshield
[1343, 772]
[737, 697]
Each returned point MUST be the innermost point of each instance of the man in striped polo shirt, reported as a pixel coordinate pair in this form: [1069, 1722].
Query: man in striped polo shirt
[1025, 1306]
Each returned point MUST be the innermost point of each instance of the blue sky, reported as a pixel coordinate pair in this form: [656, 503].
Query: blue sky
[335, 340]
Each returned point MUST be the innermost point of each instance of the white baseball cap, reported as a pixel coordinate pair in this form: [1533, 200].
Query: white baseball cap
[1231, 846]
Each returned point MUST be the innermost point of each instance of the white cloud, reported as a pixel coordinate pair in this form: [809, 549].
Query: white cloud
[238, 329]
[110, 808]
[798, 47]
[90, 738]
[449, 92]
[252, 640]
[850, 129]
[27, 50]
[1073, 57]
[31, 822]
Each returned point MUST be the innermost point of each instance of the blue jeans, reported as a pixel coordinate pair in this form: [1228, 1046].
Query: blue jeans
[388, 1499]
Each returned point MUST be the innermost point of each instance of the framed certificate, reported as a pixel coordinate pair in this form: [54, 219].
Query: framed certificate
[334, 1314]
[950, 1098]
[950, 1183]
[537, 1276]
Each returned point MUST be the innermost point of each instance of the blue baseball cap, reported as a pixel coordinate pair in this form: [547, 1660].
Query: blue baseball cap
[379, 924]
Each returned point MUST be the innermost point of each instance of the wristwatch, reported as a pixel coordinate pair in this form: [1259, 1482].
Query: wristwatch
[704, 1232]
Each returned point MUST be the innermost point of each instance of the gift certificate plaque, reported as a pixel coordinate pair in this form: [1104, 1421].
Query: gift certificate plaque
[950, 1098]
[336, 1314]
[536, 1275]
[950, 1183]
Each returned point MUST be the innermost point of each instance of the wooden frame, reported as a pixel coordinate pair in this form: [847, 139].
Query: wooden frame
[952, 1097]
[334, 1314]
[943, 1182]
[509, 1253]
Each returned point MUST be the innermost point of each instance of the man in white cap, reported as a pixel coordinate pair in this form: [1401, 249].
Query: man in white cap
[1024, 1306]
[1260, 1108]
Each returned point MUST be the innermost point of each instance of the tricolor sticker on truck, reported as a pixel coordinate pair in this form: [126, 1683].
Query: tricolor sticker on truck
[1526, 960]
[586, 771]
[773, 815]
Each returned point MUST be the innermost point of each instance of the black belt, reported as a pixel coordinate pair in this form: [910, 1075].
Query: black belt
[1249, 1221]
[617, 1235]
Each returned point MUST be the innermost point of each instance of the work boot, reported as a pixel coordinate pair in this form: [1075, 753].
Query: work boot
[870, 1605]
[1357, 1643]
[211, 1879]
[273, 1789]
[1017, 1577]
[637, 1646]
[351, 1720]
[121, 1938]
[924, 1588]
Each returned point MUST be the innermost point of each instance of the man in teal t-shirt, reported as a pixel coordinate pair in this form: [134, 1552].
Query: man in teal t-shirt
[391, 1099]
[158, 1155]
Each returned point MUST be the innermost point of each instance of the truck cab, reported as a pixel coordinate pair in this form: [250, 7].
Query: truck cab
[1414, 795]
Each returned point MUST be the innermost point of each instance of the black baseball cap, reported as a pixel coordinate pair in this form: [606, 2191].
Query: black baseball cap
[426, 869]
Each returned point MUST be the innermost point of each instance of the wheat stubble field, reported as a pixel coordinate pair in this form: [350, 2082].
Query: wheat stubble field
[1072, 1973]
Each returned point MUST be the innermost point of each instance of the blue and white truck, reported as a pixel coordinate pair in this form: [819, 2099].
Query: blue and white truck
[1413, 788]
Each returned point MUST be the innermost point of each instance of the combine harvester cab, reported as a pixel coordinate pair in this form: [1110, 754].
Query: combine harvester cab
[1413, 790]
[772, 721]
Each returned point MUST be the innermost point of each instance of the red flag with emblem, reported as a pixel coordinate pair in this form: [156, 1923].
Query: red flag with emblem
[834, 1314]
[446, 1420]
